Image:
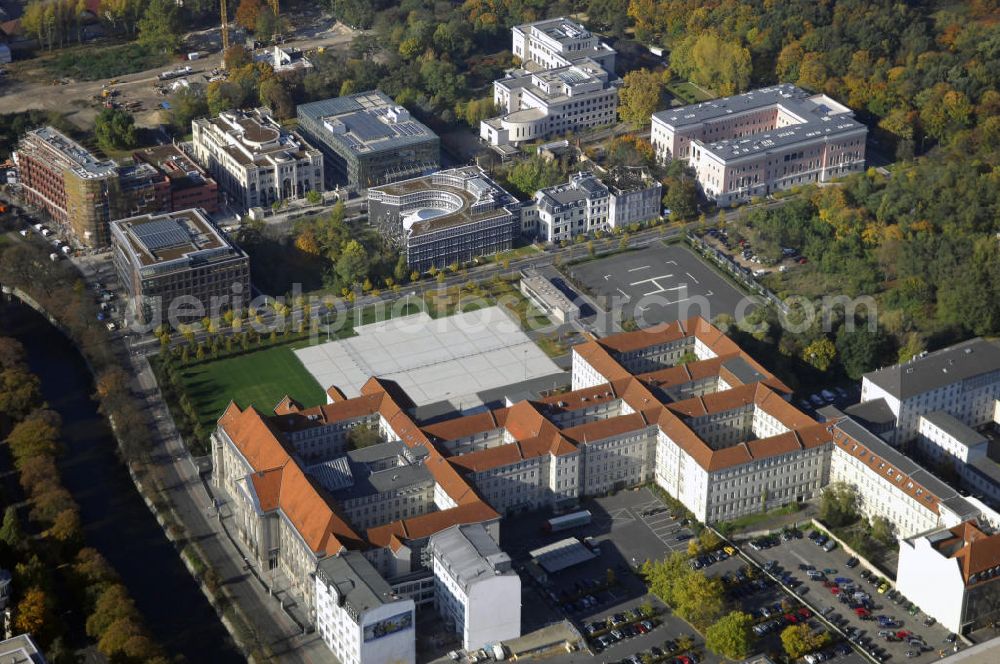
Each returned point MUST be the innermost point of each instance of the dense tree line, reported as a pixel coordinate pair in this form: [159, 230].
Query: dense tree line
[53, 573]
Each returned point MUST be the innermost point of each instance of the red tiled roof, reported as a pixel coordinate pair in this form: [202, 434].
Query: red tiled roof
[426, 525]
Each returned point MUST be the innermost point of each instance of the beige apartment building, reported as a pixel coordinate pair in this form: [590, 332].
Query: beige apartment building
[761, 141]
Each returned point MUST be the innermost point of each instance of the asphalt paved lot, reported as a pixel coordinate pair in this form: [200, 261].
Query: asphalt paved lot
[790, 555]
[661, 284]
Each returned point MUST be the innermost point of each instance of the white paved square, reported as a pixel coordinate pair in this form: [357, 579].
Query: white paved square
[447, 359]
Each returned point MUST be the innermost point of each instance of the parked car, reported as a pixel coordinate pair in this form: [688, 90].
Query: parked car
[852, 562]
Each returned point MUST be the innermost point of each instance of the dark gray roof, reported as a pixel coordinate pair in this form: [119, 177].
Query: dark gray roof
[357, 580]
[875, 411]
[934, 370]
[955, 428]
[744, 371]
[945, 494]
[469, 553]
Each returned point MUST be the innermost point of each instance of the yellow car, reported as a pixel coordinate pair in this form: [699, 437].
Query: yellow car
[882, 588]
[730, 550]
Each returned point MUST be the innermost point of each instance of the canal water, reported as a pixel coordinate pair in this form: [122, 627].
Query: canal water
[116, 520]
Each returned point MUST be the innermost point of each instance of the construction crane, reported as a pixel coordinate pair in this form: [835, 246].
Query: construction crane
[274, 7]
[225, 25]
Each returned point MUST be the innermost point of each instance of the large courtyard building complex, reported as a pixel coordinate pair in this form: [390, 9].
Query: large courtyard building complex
[255, 161]
[164, 260]
[451, 216]
[77, 189]
[367, 139]
[566, 82]
[761, 141]
[587, 204]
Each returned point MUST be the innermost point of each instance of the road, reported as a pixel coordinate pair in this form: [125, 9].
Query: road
[27, 86]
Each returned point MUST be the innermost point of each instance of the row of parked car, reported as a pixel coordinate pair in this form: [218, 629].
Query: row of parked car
[712, 557]
[620, 630]
[662, 655]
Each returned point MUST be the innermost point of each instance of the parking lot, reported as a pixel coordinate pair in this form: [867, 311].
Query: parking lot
[844, 597]
[660, 284]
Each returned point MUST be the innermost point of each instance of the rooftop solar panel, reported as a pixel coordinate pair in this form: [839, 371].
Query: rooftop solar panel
[365, 127]
[161, 234]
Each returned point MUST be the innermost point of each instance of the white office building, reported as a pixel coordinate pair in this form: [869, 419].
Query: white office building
[359, 617]
[566, 82]
[255, 161]
[761, 141]
[962, 380]
[964, 563]
[587, 204]
[477, 591]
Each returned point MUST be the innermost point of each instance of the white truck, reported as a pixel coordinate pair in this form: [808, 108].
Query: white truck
[175, 73]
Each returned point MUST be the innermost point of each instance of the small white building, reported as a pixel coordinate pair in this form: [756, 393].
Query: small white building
[586, 204]
[476, 588]
[963, 562]
[21, 650]
[359, 617]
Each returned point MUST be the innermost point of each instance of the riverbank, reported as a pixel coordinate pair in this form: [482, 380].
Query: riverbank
[114, 519]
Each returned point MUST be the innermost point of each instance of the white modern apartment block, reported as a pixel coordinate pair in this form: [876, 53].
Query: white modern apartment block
[586, 204]
[890, 485]
[761, 141]
[963, 563]
[254, 160]
[566, 82]
[359, 617]
[477, 591]
[962, 380]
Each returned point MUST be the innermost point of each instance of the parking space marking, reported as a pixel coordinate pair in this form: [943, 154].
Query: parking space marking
[643, 267]
[691, 277]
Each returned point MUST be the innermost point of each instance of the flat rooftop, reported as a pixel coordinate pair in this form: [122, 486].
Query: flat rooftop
[469, 196]
[959, 431]
[364, 123]
[452, 359]
[84, 162]
[172, 162]
[174, 239]
[815, 115]
[470, 553]
[942, 367]
[357, 580]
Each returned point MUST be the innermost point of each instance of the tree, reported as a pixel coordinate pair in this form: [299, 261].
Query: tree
[115, 129]
[528, 176]
[20, 390]
[639, 96]
[33, 437]
[820, 353]
[186, 105]
[799, 640]
[247, 13]
[838, 505]
[731, 636]
[112, 604]
[11, 533]
[33, 612]
[883, 530]
[353, 263]
[363, 436]
[276, 95]
[859, 349]
[714, 62]
[159, 26]
[699, 599]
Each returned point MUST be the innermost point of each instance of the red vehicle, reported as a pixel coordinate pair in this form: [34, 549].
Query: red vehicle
[805, 613]
[684, 659]
[903, 634]
[862, 612]
[835, 590]
[642, 629]
[791, 619]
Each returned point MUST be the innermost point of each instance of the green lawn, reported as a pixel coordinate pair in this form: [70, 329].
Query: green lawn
[688, 92]
[261, 378]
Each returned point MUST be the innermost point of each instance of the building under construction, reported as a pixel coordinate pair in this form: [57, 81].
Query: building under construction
[77, 189]
[368, 140]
